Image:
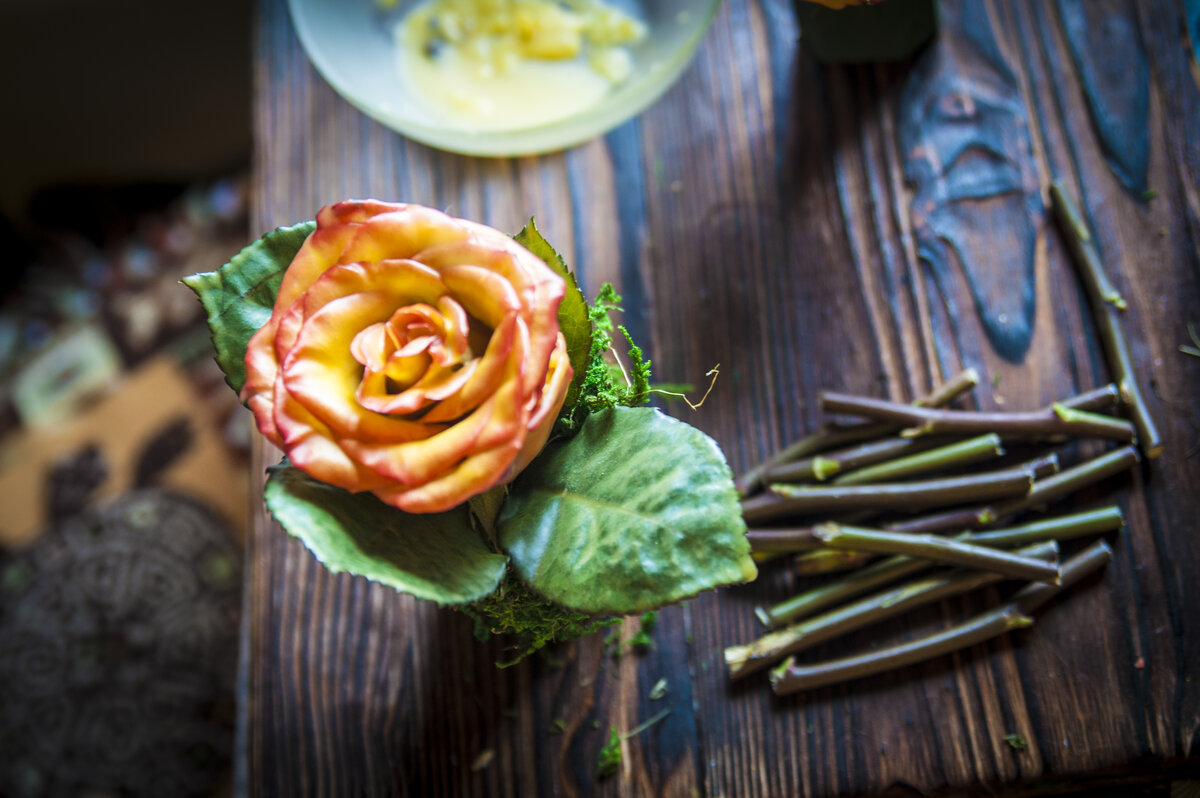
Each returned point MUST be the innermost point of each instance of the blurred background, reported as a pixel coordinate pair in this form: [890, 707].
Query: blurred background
[124, 155]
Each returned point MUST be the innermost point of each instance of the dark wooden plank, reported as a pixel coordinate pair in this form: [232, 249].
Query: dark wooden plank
[760, 216]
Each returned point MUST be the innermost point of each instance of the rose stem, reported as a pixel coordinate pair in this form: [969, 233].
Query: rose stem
[965, 452]
[894, 568]
[936, 549]
[832, 435]
[769, 648]
[821, 467]
[800, 499]
[1057, 419]
[791, 677]
[1106, 305]
[1044, 490]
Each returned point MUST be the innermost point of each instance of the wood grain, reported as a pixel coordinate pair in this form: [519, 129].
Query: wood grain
[758, 217]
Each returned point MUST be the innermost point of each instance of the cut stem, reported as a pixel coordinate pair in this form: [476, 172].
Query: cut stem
[819, 468]
[937, 549]
[791, 677]
[961, 453]
[746, 659]
[785, 500]
[1090, 522]
[1063, 483]
[1043, 491]
[1058, 419]
[1102, 398]
[829, 561]
[831, 436]
[1107, 305]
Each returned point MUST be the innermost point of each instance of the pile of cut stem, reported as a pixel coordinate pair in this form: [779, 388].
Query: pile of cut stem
[913, 504]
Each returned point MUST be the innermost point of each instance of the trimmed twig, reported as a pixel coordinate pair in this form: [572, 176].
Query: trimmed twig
[829, 561]
[779, 541]
[1031, 597]
[1063, 483]
[831, 436]
[961, 453]
[821, 467]
[949, 390]
[1041, 466]
[1043, 491]
[791, 677]
[1106, 305]
[1055, 420]
[1101, 398]
[936, 549]
[1090, 522]
[746, 659]
[784, 500]
[861, 581]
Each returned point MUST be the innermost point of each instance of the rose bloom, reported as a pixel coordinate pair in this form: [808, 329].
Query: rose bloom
[410, 354]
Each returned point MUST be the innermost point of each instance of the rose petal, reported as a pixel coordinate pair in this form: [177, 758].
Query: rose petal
[401, 233]
[311, 448]
[487, 375]
[541, 420]
[370, 347]
[473, 476]
[484, 294]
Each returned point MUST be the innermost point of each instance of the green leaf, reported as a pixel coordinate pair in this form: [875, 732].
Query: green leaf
[436, 556]
[573, 318]
[636, 511]
[240, 295]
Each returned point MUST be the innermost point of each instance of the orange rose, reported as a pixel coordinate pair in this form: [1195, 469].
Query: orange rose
[410, 354]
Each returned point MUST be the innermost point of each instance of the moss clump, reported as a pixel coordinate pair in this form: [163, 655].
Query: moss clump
[606, 383]
[516, 609]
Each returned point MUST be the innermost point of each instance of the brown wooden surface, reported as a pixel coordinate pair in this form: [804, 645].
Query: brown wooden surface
[758, 217]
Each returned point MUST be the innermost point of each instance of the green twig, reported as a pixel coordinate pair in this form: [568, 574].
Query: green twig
[1072, 479]
[792, 677]
[829, 561]
[892, 569]
[936, 549]
[961, 453]
[821, 467]
[1065, 527]
[831, 436]
[1056, 420]
[1107, 305]
[785, 500]
[1043, 491]
[746, 659]
[1102, 398]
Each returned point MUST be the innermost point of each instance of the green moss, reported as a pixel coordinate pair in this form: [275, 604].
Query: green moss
[606, 383]
[535, 621]
[609, 761]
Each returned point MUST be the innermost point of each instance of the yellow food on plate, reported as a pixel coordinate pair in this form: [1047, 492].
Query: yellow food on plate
[511, 64]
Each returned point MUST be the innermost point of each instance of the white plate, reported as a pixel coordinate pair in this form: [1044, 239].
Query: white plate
[352, 45]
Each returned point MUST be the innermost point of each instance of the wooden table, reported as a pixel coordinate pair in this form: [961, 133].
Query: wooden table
[760, 216]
